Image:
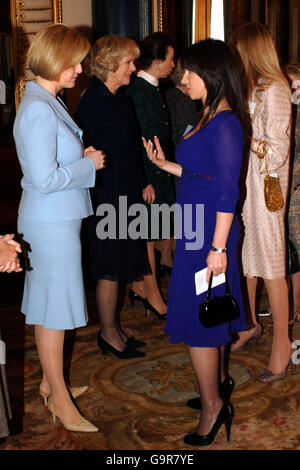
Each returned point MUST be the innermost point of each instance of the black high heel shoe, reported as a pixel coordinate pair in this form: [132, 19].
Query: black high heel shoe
[226, 388]
[164, 271]
[133, 296]
[127, 353]
[150, 308]
[135, 343]
[225, 416]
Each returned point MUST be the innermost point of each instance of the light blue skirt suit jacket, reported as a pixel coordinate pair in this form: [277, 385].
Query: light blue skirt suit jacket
[54, 201]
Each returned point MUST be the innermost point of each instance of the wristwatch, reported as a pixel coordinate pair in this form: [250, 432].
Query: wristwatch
[218, 250]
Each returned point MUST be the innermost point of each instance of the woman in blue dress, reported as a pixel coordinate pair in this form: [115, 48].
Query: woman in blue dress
[209, 163]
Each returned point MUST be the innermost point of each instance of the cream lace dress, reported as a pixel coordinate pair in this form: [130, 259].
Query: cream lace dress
[264, 246]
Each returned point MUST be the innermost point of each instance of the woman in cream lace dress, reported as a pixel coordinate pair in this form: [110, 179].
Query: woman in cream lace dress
[264, 246]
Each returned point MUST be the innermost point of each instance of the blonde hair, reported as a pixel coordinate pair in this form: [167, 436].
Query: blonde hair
[259, 56]
[107, 52]
[54, 49]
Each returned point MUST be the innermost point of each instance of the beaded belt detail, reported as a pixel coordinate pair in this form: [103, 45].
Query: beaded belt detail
[195, 174]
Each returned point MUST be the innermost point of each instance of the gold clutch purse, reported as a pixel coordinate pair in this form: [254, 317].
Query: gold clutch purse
[272, 190]
[273, 194]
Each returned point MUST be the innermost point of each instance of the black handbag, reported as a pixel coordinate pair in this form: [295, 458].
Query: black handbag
[218, 310]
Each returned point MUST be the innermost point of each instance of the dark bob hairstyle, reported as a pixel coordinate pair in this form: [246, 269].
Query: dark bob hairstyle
[215, 62]
[153, 47]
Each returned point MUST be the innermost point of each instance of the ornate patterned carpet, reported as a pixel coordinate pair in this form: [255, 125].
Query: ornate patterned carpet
[140, 403]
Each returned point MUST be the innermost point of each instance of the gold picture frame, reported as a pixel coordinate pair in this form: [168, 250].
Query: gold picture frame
[27, 18]
[157, 12]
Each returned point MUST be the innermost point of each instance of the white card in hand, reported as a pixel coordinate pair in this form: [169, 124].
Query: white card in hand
[202, 285]
[187, 130]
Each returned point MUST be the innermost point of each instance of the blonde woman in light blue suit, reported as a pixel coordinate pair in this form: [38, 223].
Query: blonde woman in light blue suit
[54, 201]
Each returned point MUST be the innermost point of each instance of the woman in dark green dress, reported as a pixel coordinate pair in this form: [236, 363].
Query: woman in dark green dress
[157, 54]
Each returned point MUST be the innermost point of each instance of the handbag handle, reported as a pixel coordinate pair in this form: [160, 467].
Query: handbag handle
[264, 151]
[227, 290]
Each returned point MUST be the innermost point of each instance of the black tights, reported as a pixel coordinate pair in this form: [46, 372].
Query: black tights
[207, 364]
[107, 300]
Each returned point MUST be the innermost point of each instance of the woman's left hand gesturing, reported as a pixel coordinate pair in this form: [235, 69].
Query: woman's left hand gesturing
[216, 263]
[156, 156]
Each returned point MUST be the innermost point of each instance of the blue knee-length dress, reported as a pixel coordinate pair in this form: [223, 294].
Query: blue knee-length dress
[211, 160]
[54, 201]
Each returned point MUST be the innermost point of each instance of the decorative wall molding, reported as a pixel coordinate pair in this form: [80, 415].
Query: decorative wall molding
[27, 18]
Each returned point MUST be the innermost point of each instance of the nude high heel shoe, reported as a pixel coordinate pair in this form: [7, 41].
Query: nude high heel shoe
[254, 338]
[75, 392]
[296, 317]
[267, 376]
[82, 425]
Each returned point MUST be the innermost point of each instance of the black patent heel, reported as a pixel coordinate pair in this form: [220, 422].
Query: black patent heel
[149, 308]
[133, 296]
[228, 423]
[226, 388]
[164, 271]
[225, 416]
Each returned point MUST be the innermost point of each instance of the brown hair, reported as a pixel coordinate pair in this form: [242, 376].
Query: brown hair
[292, 68]
[259, 56]
[177, 74]
[54, 49]
[107, 52]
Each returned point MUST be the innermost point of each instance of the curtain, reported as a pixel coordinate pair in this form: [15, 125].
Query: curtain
[178, 22]
[294, 32]
[202, 19]
[227, 19]
[130, 18]
[280, 16]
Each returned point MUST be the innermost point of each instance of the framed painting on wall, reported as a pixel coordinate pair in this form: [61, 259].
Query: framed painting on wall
[27, 18]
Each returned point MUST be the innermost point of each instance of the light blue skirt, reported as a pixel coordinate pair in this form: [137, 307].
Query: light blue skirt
[54, 294]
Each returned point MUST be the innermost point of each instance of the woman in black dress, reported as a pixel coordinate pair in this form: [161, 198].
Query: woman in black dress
[107, 118]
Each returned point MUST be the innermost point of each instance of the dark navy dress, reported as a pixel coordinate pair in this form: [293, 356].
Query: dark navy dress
[108, 123]
[211, 160]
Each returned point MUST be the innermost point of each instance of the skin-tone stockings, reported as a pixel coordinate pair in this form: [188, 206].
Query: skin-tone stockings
[148, 287]
[165, 248]
[279, 302]
[50, 345]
